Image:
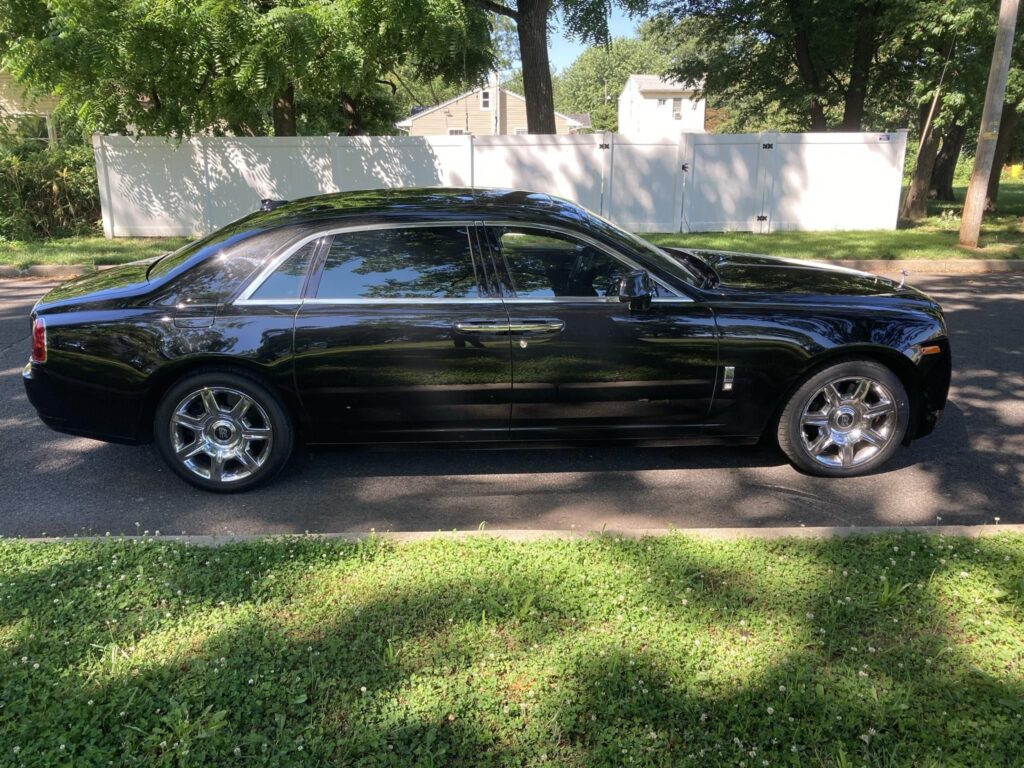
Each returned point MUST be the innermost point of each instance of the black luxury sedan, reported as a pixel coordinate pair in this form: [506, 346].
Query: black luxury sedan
[479, 317]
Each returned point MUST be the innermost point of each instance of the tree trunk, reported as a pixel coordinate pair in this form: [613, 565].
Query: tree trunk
[941, 187]
[805, 66]
[283, 112]
[351, 110]
[995, 93]
[864, 48]
[915, 204]
[1007, 125]
[532, 27]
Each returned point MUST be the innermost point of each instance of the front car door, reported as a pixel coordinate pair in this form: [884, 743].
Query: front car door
[396, 340]
[583, 363]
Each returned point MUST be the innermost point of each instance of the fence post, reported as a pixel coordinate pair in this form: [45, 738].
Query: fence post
[207, 191]
[99, 151]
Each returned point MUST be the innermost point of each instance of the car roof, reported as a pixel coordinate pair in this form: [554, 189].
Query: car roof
[417, 203]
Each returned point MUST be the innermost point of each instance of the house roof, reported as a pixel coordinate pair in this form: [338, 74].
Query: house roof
[647, 83]
[407, 122]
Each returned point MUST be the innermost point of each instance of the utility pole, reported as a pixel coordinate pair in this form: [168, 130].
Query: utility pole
[974, 205]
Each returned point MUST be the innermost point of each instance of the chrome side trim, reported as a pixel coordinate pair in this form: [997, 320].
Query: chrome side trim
[728, 377]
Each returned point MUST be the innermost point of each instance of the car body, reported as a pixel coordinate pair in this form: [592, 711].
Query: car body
[463, 316]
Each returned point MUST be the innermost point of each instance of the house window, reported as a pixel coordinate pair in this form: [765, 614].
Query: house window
[457, 132]
[661, 102]
[485, 99]
[677, 109]
[521, 131]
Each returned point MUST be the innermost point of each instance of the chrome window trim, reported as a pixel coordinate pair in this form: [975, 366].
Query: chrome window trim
[398, 300]
[244, 298]
[676, 296]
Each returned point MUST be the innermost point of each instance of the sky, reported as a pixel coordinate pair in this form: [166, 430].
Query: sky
[562, 51]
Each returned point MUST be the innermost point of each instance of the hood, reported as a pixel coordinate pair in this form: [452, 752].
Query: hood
[116, 282]
[771, 274]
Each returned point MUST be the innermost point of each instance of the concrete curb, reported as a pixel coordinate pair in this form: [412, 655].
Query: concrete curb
[937, 267]
[525, 535]
[882, 266]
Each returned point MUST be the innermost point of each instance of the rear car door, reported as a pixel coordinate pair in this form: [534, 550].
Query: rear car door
[397, 340]
[583, 363]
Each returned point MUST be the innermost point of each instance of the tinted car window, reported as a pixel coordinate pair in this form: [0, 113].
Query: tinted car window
[286, 281]
[549, 264]
[215, 271]
[418, 262]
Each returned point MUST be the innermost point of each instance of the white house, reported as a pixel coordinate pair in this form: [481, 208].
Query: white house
[653, 106]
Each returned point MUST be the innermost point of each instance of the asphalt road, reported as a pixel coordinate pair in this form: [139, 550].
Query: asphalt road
[970, 471]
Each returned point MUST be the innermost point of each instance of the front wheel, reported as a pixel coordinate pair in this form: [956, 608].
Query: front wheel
[847, 419]
[223, 431]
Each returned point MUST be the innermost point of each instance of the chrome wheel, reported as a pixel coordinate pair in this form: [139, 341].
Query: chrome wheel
[220, 434]
[848, 421]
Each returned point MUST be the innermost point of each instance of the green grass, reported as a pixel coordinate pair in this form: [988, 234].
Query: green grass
[90, 251]
[1002, 236]
[932, 238]
[890, 650]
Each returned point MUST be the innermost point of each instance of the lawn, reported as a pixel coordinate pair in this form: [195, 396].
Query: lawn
[1002, 236]
[85, 250]
[932, 238]
[889, 650]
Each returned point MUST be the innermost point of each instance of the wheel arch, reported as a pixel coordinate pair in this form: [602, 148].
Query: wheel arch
[890, 358]
[171, 374]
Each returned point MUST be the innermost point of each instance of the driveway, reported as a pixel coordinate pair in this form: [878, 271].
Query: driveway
[970, 471]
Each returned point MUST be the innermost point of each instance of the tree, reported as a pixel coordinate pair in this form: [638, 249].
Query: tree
[586, 20]
[822, 62]
[593, 82]
[162, 66]
[974, 204]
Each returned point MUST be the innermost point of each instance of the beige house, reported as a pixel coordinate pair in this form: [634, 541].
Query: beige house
[486, 111]
[16, 104]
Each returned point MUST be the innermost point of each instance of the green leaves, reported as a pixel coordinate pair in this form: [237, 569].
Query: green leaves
[166, 67]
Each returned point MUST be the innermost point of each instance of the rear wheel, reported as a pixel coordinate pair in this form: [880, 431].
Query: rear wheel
[847, 419]
[223, 431]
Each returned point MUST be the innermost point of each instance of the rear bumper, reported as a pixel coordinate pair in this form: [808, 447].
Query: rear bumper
[76, 408]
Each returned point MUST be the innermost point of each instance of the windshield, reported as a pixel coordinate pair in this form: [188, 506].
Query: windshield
[662, 261]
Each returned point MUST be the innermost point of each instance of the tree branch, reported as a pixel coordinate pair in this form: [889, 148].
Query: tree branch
[494, 7]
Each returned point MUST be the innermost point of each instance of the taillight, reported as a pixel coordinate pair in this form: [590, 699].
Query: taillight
[39, 340]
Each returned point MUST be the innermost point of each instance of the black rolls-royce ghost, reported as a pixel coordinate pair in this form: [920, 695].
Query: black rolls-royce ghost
[471, 317]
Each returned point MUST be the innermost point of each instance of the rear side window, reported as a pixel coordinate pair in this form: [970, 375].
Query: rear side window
[286, 281]
[547, 264]
[408, 263]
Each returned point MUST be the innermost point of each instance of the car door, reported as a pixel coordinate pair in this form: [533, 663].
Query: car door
[583, 362]
[396, 339]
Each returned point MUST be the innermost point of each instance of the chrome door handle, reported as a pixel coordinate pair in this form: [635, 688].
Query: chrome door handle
[540, 326]
[471, 327]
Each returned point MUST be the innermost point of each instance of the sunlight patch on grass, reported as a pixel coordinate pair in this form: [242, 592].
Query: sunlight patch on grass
[482, 652]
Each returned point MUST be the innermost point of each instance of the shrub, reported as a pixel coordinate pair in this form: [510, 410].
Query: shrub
[46, 192]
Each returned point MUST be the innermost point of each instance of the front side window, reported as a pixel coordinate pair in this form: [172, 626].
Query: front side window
[485, 99]
[285, 282]
[545, 264]
[407, 263]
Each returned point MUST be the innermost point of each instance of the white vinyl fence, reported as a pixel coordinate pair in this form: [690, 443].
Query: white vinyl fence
[701, 182]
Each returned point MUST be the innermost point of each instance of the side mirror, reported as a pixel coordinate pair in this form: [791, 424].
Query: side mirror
[637, 288]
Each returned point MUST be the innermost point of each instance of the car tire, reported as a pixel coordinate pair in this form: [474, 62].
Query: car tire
[223, 431]
[844, 420]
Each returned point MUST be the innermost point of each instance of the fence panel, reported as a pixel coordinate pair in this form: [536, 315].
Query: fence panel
[564, 166]
[644, 191]
[700, 182]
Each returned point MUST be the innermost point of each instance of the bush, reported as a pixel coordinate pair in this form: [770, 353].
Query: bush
[46, 192]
